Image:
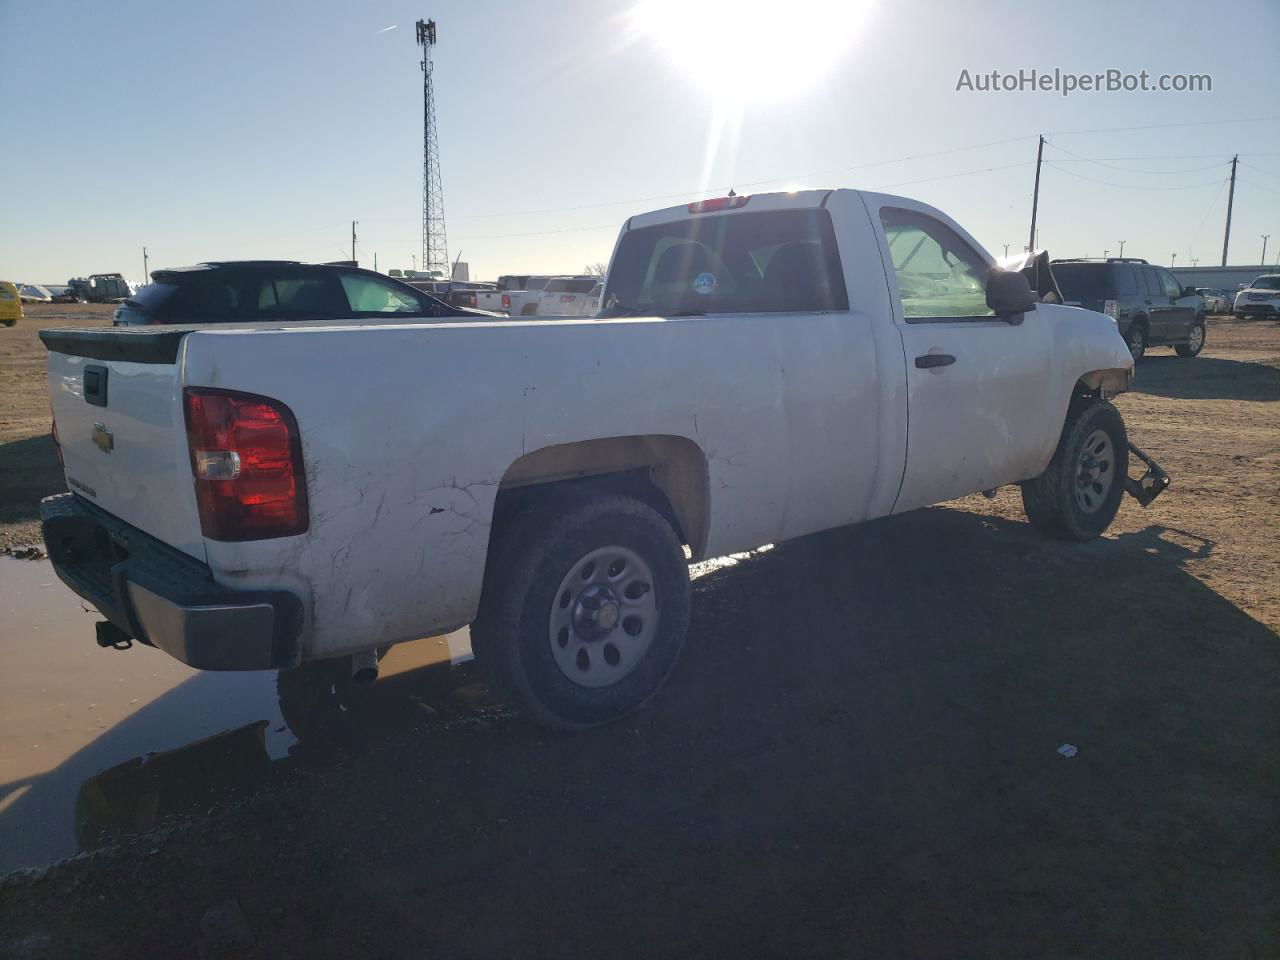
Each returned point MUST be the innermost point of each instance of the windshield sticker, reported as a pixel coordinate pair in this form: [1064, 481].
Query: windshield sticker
[704, 283]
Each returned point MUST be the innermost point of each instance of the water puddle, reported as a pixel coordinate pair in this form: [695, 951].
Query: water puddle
[101, 741]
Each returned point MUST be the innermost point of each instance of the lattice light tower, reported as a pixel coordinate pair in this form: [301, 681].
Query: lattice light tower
[435, 249]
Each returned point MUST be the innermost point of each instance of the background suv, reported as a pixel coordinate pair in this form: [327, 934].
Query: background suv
[1148, 304]
[1260, 298]
[233, 291]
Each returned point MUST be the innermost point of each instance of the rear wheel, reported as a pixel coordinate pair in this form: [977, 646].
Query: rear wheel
[1136, 339]
[1078, 496]
[1195, 341]
[585, 609]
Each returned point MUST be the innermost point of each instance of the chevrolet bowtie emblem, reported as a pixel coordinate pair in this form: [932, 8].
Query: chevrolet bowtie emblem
[103, 438]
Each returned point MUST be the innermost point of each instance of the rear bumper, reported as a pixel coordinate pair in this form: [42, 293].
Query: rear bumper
[164, 598]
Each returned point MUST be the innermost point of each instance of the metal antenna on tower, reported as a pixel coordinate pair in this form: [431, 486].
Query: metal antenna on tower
[435, 249]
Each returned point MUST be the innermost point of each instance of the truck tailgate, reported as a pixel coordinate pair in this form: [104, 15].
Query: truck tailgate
[117, 408]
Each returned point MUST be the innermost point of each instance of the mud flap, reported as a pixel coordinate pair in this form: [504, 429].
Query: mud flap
[1151, 484]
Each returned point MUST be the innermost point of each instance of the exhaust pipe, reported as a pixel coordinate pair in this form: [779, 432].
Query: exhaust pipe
[364, 668]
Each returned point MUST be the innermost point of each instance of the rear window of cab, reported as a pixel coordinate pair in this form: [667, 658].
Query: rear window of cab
[779, 261]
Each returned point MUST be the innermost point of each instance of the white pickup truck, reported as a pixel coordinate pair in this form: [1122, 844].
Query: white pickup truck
[265, 496]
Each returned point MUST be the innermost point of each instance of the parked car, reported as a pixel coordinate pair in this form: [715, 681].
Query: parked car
[1148, 304]
[100, 288]
[1260, 298]
[257, 497]
[261, 290]
[524, 303]
[10, 303]
[1215, 300]
[592, 306]
[566, 297]
[465, 293]
[499, 298]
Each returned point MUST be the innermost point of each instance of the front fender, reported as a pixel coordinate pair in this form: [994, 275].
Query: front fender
[1089, 349]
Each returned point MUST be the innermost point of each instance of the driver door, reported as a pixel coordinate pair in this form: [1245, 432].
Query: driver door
[977, 400]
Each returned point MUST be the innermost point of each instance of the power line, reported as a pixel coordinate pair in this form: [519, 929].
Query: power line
[750, 183]
[1207, 210]
[1129, 186]
[1160, 126]
[1259, 186]
[883, 186]
[1100, 162]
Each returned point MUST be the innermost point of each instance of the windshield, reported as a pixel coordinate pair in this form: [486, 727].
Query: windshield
[783, 261]
[1267, 283]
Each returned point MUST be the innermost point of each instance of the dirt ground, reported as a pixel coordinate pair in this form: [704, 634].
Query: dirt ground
[857, 757]
[28, 464]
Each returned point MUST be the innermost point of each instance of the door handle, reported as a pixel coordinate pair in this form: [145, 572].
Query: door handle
[930, 360]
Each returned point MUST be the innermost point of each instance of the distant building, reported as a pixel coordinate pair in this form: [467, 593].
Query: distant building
[462, 270]
[1220, 278]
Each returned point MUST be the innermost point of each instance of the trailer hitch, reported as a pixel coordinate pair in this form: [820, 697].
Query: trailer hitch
[1151, 484]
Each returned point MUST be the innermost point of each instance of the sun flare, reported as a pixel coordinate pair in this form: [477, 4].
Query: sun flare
[748, 51]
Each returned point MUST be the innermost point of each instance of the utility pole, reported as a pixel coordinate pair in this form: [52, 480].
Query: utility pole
[1174, 262]
[1231, 197]
[1105, 254]
[353, 240]
[1265, 238]
[414, 258]
[375, 261]
[146, 276]
[1122, 249]
[1035, 196]
[1195, 261]
[1006, 250]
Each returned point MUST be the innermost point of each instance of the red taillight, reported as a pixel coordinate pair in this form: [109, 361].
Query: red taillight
[719, 203]
[506, 301]
[246, 459]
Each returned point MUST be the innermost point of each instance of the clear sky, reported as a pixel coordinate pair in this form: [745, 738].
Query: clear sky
[261, 129]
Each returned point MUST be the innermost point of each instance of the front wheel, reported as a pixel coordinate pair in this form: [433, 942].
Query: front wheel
[1195, 341]
[585, 609]
[1077, 497]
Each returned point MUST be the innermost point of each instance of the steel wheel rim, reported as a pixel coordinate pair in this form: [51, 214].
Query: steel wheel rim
[1095, 471]
[1197, 337]
[604, 617]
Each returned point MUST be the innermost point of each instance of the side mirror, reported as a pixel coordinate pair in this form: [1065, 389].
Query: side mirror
[1009, 294]
[1189, 292]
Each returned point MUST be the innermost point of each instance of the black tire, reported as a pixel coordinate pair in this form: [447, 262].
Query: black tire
[1195, 343]
[530, 563]
[1053, 500]
[1136, 339]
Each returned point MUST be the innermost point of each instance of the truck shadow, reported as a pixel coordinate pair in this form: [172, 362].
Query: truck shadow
[29, 471]
[863, 732]
[1206, 378]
